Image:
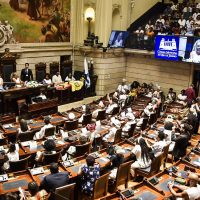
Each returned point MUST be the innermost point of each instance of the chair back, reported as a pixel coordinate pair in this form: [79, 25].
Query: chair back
[97, 143]
[155, 165]
[152, 118]
[82, 149]
[101, 115]
[71, 125]
[115, 110]
[3, 142]
[50, 158]
[12, 138]
[65, 192]
[87, 119]
[123, 173]
[132, 129]
[144, 124]
[19, 165]
[118, 136]
[50, 131]
[165, 154]
[26, 136]
[101, 186]
[40, 71]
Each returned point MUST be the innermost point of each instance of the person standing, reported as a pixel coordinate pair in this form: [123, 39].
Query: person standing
[190, 93]
[26, 73]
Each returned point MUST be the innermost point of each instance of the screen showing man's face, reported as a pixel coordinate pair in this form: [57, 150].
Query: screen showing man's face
[198, 49]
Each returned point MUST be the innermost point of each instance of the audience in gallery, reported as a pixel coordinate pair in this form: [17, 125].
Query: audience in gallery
[176, 132]
[177, 19]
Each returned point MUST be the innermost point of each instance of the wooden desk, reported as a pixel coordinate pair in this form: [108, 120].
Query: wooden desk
[10, 96]
[194, 160]
[16, 180]
[35, 124]
[164, 179]
[43, 108]
[143, 190]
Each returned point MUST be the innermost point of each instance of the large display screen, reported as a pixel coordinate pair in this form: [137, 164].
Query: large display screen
[166, 47]
[118, 39]
[182, 48]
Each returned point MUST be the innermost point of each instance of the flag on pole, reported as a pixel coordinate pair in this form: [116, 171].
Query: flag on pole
[87, 80]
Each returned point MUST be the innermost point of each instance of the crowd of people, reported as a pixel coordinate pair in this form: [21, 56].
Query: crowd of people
[177, 19]
[176, 133]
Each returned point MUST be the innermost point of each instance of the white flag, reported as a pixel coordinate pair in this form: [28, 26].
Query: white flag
[87, 80]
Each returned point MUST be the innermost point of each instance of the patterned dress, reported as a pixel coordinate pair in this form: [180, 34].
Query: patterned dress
[90, 174]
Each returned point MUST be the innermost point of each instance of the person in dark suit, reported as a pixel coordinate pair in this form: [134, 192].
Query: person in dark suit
[54, 180]
[26, 73]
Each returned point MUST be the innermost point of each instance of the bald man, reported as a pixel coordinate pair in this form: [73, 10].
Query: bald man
[191, 193]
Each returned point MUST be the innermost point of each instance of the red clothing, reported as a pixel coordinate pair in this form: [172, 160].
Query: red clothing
[190, 93]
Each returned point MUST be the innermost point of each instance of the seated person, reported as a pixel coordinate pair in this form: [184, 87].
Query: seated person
[131, 120]
[69, 78]
[72, 149]
[33, 192]
[142, 154]
[90, 173]
[116, 160]
[160, 143]
[122, 88]
[15, 78]
[54, 180]
[186, 192]
[182, 98]
[47, 80]
[57, 79]
[86, 111]
[40, 98]
[111, 106]
[101, 107]
[49, 148]
[23, 126]
[12, 155]
[110, 136]
[40, 134]
[171, 96]
[148, 110]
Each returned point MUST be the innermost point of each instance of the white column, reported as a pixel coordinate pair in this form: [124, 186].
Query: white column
[103, 20]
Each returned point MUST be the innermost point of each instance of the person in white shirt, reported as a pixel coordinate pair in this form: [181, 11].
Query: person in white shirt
[47, 80]
[86, 111]
[57, 79]
[182, 98]
[174, 7]
[40, 134]
[161, 20]
[149, 110]
[148, 25]
[158, 146]
[141, 151]
[191, 193]
[131, 120]
[101, 107]
[12, 155]
[122, 88]
[198, 6]
[182, 22]
[69, 78]
[111, 106]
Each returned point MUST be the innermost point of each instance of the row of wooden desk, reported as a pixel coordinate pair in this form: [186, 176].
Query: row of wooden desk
[21, 179]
